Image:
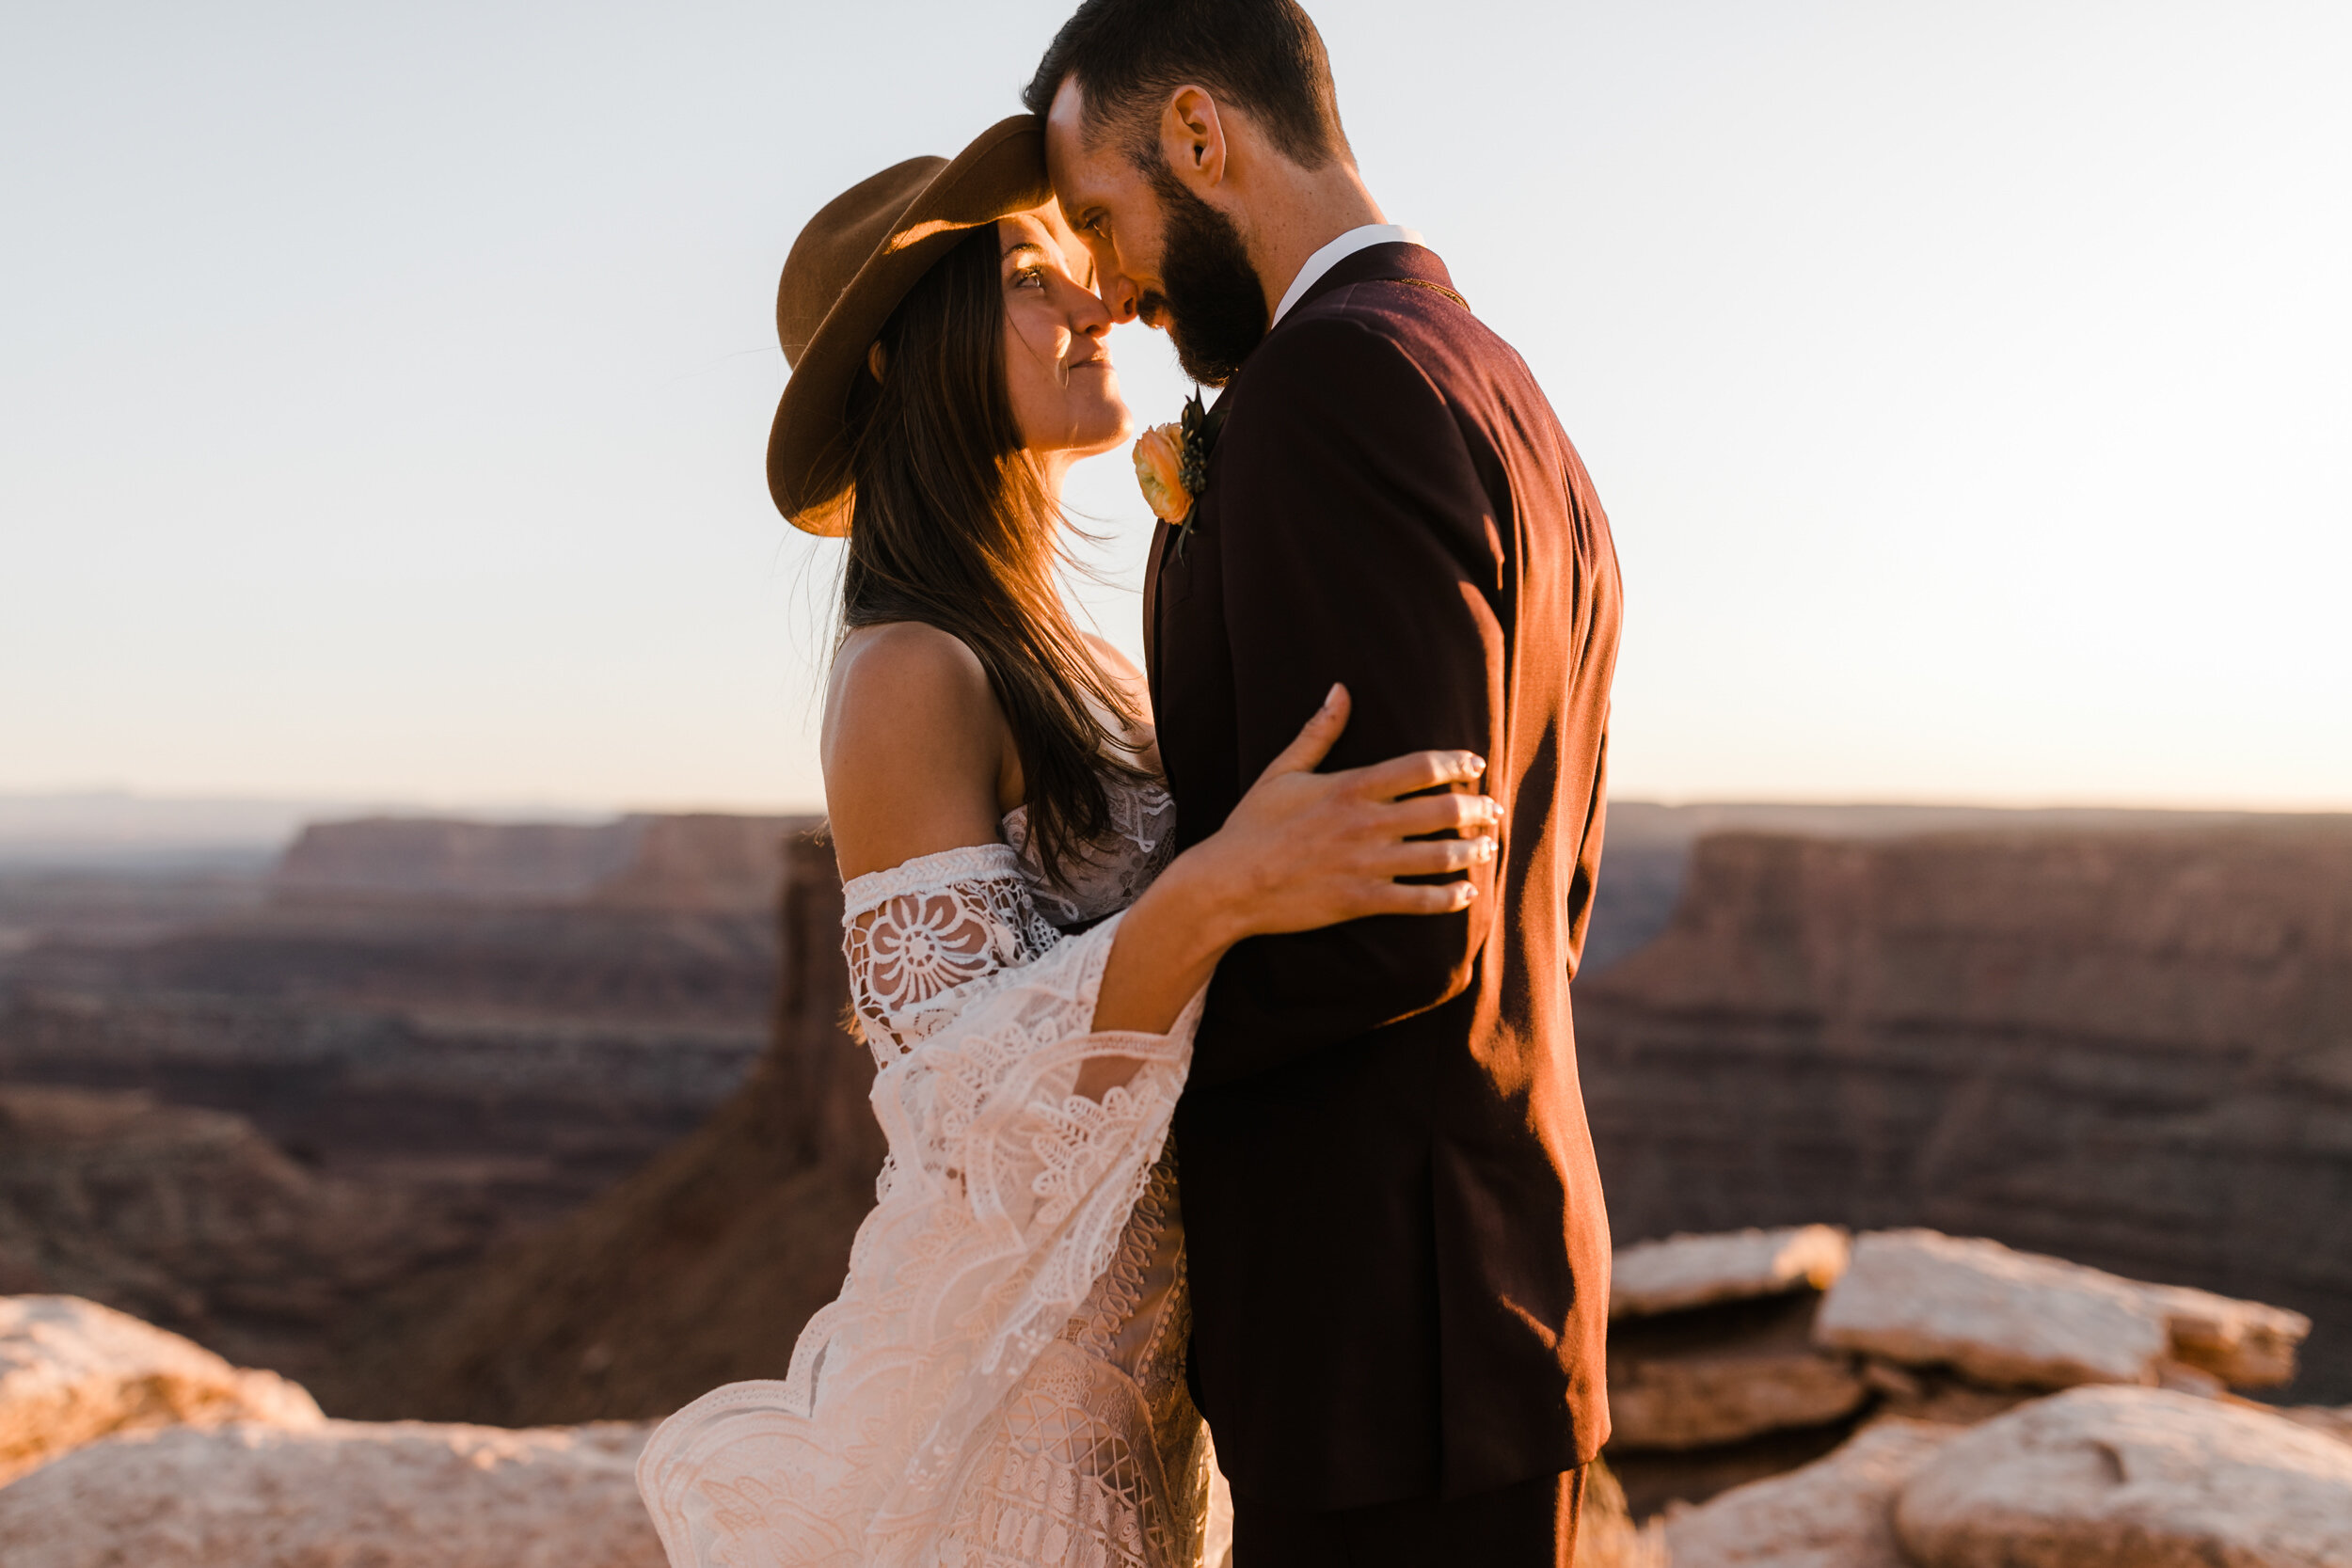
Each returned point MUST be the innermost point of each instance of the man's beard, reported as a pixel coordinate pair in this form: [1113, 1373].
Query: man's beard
[1211, 302]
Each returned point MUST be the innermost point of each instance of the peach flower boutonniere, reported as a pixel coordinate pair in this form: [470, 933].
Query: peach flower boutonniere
[1172, 466]
[1160, 470]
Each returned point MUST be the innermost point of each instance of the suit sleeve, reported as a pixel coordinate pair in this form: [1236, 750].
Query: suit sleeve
[1357, 545]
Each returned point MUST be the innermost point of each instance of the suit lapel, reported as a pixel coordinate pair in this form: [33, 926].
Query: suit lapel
[1400, 262]
[1152, 613]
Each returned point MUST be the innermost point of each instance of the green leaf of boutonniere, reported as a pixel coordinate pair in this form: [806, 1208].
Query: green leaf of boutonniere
[1198, 430]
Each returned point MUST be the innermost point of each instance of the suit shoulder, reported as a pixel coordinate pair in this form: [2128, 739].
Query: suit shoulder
[1327, 354]
[1361, 315]
[1420, 325]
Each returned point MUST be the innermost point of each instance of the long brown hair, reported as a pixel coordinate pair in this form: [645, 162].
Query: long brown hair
[951, 526]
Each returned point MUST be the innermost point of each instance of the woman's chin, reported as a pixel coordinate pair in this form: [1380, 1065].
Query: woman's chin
[1116, 428]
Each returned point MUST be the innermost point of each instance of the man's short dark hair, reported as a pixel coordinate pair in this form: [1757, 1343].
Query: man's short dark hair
[1262, 56]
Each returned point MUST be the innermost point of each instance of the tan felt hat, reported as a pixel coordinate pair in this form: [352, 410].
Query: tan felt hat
[852, 265]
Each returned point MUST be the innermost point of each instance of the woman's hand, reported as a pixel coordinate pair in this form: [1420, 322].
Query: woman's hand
[1302, 851]
[1305, 849]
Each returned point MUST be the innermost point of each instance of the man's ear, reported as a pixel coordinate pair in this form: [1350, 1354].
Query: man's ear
[1192, 138]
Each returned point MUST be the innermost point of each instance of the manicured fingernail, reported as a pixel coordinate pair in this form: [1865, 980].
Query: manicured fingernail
[1331, 698]
[1475, 763]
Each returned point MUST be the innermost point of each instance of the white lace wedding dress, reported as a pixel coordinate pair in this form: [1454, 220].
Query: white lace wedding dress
[1000, 1383]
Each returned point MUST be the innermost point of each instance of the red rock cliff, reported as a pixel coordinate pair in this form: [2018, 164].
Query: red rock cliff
[698, 1269]
[2133, 1049]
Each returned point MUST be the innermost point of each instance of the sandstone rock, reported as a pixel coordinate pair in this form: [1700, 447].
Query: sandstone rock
[1724, 1373]
[434, 1042]
[698, 1269]
[73, 1371]
[404, 1495]
[2334, 1423]
[699, 860]
[1835, 1512]
[1935, 1394]
[1658, 1481]
[2013, 1318]
[1692, 1271]
[442, 858]
[2241, 1342]
[2001, 1317]
[191, 1219]
[2131, 1478]
[2088, 1040]
[1701, 1401]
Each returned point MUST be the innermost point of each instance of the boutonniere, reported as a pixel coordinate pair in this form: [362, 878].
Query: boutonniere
[1172, 464]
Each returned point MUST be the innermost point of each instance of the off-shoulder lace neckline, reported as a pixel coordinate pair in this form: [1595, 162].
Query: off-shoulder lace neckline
[924, 872]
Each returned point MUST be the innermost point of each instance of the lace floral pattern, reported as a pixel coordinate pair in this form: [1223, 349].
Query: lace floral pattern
[1141, 841]
[1099, 1459]
[940, 1410]
[916, 934]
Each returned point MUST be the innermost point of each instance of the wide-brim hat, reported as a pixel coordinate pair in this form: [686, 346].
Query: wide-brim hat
[850, 268]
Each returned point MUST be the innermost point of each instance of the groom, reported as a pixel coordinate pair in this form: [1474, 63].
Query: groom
[1398, 1253]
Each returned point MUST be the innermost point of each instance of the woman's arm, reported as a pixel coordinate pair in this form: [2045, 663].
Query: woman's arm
[1302, 851]
[919, 759]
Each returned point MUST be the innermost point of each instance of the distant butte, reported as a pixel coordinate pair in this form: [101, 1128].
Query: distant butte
[2130, 1048]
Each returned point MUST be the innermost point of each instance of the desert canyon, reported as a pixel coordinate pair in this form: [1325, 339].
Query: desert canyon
[1943, 1148]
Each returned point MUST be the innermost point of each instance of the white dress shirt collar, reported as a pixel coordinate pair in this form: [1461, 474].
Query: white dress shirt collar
[1337, 251]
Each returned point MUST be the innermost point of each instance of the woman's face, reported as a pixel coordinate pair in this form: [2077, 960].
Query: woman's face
[1057, 356]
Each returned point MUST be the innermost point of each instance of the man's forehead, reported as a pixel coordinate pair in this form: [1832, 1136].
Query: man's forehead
[1065, 118]
[1074, 158]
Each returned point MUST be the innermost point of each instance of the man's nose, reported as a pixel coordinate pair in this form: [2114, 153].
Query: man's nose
[1119, 295]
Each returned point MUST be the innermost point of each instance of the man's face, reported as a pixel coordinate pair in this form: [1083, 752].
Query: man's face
[1161, 252]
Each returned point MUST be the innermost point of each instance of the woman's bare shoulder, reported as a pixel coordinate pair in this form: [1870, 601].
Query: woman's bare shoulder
[907, 661]
[914, 745]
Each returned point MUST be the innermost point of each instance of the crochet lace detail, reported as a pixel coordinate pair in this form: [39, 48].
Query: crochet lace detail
[993, 1385]
[1109, 875]
[917, 933]
[1098, 1457]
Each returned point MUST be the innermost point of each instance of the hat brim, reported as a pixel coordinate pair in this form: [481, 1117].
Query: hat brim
[1000, 173]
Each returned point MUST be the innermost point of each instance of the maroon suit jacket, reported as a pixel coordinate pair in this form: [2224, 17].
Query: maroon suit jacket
[1399, 1257]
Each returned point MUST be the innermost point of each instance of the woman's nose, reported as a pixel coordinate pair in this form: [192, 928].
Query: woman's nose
[1089, 314]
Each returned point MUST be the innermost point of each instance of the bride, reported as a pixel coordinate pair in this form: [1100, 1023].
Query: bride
[1001, 1380]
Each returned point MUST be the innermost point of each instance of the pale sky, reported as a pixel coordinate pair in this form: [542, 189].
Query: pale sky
[383, 388]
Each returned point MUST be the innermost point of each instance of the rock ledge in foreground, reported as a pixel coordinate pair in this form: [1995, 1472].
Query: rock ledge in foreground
[1835, 1512]
[2131, 1478]
[73, 1371]
[395, 1495]
[1650, 1277]
[2002, 1317]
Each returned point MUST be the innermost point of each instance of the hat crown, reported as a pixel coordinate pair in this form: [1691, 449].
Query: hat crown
[836, 243]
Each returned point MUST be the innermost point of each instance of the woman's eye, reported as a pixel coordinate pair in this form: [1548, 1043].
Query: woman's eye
[1029, 277]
